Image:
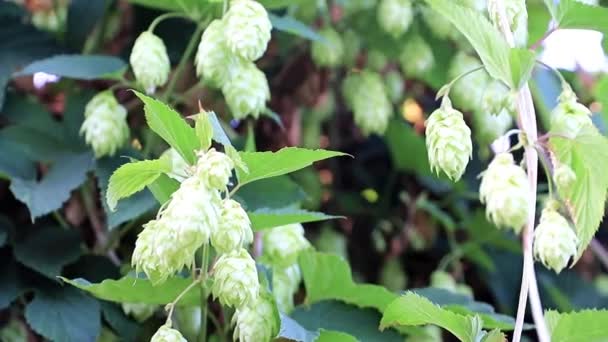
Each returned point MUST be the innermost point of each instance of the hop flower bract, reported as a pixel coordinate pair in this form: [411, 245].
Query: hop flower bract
[150, 61]
[105, 125]
[564, 177]
[570, 116]
[554, 240]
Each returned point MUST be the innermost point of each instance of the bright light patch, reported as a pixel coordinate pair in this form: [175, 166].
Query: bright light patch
[42, 78]
[569, 49]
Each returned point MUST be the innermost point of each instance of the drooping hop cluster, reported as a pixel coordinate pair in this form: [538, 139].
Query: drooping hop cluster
[215, 63]
[283, 244]
[517, 15]
[416, 57]
[169, 243]
[564, 177]
[234, 230]
[105, 125]
[570, 116]
[506, 193]
[247, 29]
[468, 91]
[328, 52]
[214, 169]
[554, 240]
[247, 92]
[256, 322]
[166, 334]
[235, 279]
[285, 283]
[395, 16]
[150, 61]
[448, 141]
[366, 96]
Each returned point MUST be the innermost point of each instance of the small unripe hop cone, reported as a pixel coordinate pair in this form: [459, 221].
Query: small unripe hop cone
[214, 169]
[166, 334]
[150, 61]
[564, 177]
[247, 92]
[416, 58]
[215, 63]
[234, 229]
[285, 282]
[247, 30]
[395, 16]
[366, 95]
[105, 125]
[235, 279]
[328, 52]
[554, 240]
[256, 322]
[283, 244]
[570, 116]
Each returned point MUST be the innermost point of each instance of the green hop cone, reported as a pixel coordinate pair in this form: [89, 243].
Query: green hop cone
[285, 283]
[489, 127]
[554, 240]
[497, 99]
[570, 116]
[352, 47]
[235, 279]
[283, 244]
[564, 177]
[180, 170]
[443, 280]
[395, 16]
[105, 124]
[166, 334]
[395, 86]
[328, 52]
[150, 61]
[247, 30]
[376, 60]
[506, 193]
[247, 92]
[214, 169]
[371, 106]
[256, 322]
[416, 58]
[517, 15]
[468, 91]
[234, 229]
[139, 311]
[392, 276]
[448, 141]
[439, 25]
[214, 61]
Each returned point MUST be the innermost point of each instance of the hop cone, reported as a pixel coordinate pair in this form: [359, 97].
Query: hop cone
[448, 141]
[214, 61]
[140, 311]
[150, 61]
[490, 127]
[438, 24]
[328, 52]
[376, 60]
[247, 30]
[285, 283]
[256, 322]
[247, 92]
[468, 91]
[564, 177]
[416, 58]
[166, 334]
[395, 86]
[235, 279]
[570, 116]
[352, 47]
[105, 125]
[443, 280]
[234, 230]
[283, 244]
[214, 169]
[371, 106]
[517, 15]
[180, 170]
[392, 276]
[505, 191]
[497, 99]
[395, 16]
[554, 240]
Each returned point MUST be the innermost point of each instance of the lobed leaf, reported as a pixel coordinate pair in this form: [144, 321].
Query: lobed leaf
[82, 67]
[586, 325]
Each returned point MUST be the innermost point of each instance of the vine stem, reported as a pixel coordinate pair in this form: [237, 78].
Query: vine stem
[527, 122]
[202, 335]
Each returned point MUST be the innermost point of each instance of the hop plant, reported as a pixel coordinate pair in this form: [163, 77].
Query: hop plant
[140, 311]
[564, 177]
[371, 106]
[506, 193]
[448, 141]
[247, 30]
[247, 92]
[105, 125]
[150, 61]
[554, 240]
[570, 116]
[285, 283]
[256, 322]
[215, 63]
[283, 244]
[235, 279]
[416, 57]
[468, 91]
[328, 52]
[517, 15]
[214, 169]
[395, 16]
[234, 230]
[166, 334]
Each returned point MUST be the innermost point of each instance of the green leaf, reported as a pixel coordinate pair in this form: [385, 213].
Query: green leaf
[586, 325]
[412, 309]
[399, 135]
[163, 188]
[47, 249]
[48, 194]
[64, 314]
[83, 15]
[125, 327]
[271, 164]
[572, 14]
[268, 218]
[82, 67]
[193, 7]
[14, 163]
[292, 330]
[11, 285]
[587, 155]
[487, 41]
[133, 177]
[291, 25]
[495, 336]
[170, 126]
[335, 336]
[276, 4]
[521, 62]
[203, 129]
[270, 193]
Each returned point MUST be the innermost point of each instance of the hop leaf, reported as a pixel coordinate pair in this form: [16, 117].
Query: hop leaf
[517, 15]
[256, 322]
[283, 244]
[105, 125]
[214, 61]
[247, 92]
[285, 283]
[395, 16]
[554, 240]
[329, 51]
[448, 141]
[150, 61]
[234, 230]
[248, 27]
[166, 334]
[505, 191]
[235, 279]
[214, 169]
[468, 91]
[366, 95]
[416, 57]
